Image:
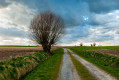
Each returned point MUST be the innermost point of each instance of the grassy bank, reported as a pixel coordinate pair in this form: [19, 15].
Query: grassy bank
[112, 60]
[82, 71]
[106, 62]
[15, 68]
[49, 69]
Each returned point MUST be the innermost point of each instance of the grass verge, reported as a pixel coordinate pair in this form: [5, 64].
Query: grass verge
[82, 71]
[49, 69]
[15, 68]
[113, 70]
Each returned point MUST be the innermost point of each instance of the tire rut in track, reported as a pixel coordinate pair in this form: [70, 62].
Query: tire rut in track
[68, 71]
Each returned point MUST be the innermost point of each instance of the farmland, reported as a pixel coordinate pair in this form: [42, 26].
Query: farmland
[31, 63]
[9, 52]
[110, 50]
[59, 39]
[107, 51]
[16, 68]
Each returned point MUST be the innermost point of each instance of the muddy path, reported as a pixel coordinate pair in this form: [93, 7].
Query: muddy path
[95, 71]
[68, 71]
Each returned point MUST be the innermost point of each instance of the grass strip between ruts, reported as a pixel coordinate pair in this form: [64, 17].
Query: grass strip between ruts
[82, 71]
[49, 69]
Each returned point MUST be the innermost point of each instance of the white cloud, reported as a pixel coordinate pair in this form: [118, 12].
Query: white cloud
[15, 41]
[16, 15]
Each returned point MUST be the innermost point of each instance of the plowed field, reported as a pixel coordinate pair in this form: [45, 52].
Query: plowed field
[11, 52]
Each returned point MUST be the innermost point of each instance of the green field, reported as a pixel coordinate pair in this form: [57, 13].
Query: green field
[106, 62]
[42, 66]
[96, 48]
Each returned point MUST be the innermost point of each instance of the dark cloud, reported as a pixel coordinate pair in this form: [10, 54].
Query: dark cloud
[102, 6]
[72, 10]
[3, 3]
[12, 24]
[101, 38]
[69, 10]
[74, 13]
[117, 31]
[75, 33]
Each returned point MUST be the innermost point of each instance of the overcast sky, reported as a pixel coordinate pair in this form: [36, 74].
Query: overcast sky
[86, 21]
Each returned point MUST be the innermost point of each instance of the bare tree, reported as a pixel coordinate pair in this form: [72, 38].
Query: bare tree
[46, 29]
[81, 44]
[91, 45]
[94, 44]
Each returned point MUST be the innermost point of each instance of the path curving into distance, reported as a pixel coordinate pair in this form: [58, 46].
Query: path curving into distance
[68, 71]
[95, 71]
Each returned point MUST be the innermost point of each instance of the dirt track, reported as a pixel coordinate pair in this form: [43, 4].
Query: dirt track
[68, 71]
[97, 73]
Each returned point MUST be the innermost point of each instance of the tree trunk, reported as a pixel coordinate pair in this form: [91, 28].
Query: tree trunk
[47, 48]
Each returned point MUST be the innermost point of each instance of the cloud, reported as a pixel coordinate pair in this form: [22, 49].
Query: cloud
[86, 21]
[17, 15]
[102, 6]
[15, 41]
[4, 3]
[106, 30]
[104, 19]
[75, 33]
[14, 32]
[71, 11]
[62, 8]
[14, 22]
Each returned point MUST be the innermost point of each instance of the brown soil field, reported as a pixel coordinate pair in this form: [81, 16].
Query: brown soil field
[110, 52]
[11, 52]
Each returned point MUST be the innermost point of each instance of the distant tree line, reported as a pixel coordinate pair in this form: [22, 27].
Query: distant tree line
[92, 45]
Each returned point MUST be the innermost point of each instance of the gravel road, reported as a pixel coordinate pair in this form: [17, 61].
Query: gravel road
[68, 71]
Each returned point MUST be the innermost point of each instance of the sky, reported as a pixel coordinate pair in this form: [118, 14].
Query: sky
[86, 21]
